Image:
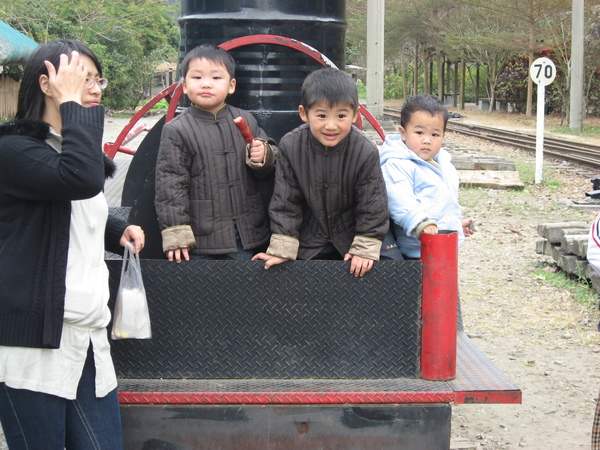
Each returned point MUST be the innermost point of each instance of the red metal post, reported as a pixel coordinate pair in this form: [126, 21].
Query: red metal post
[439, 254]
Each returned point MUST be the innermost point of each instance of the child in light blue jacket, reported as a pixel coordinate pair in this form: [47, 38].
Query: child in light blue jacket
[421, 182]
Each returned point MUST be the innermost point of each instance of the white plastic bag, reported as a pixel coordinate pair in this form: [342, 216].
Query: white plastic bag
[131, 319]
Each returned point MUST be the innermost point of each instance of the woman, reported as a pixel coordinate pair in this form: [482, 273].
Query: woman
[57, 380]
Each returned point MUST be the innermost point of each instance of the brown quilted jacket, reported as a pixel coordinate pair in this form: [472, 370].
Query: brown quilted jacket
[324, 195]
[205, 186]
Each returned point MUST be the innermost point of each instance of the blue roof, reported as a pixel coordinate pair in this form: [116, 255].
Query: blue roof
[15, 47]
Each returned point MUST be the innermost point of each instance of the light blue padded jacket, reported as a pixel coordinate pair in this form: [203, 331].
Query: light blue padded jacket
[417, 190]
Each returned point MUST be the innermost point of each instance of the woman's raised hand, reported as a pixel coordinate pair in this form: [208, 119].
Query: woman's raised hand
[67, 83]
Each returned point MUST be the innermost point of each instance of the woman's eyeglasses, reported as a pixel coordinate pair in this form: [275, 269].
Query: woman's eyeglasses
[101, 82]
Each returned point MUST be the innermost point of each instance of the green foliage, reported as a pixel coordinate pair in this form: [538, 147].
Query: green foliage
[527, 173]
[485, 33]
[392, 86]
[593, 97]
[162, 104]
[362, 90]
[590, 131]
[512, 84]
[471, 83]
[353, 52]
[356, 32]
[129, 37]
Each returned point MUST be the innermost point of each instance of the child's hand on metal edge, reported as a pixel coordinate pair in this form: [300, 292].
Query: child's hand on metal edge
[430, 229]
[270, 259]
[175, 255]
[358, 266]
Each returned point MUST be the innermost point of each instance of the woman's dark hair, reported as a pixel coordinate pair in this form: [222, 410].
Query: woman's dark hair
[332, 86]
[423, 102]
[211, 53]
[30, 103]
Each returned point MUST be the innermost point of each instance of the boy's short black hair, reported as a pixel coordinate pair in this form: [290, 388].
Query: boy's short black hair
[332, 86]
[212, 53]
[423, 102]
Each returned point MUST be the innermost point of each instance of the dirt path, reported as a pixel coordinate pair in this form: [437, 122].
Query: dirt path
[536, 333]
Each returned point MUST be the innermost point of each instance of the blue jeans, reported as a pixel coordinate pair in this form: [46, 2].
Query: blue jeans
[239, 255]
[37, 421]
[389, 248]
[329, 253]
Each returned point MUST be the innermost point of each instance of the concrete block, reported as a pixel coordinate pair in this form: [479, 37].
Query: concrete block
[555, 231]
[571, 243]
[543, 248]
[557, 253]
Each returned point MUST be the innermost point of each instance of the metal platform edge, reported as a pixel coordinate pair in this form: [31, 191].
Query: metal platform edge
[477, 380]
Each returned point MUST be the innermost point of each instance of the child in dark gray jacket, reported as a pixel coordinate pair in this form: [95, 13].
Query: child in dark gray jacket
[207, 197]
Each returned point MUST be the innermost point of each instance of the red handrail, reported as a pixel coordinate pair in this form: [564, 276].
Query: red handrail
[173, 93]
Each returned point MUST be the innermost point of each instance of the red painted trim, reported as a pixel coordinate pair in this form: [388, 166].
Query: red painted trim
[278, 40]
[306, 49]
[263, 398]
[174, 102]
[439, 253]
[505, 397]
[176, 90]
[373, 121]
[303, 398]
[111, 148]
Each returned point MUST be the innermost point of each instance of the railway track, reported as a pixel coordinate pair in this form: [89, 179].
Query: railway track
[560, 149]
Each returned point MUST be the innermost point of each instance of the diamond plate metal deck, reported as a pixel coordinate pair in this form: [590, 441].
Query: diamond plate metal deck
[478, 380]
[303, 319]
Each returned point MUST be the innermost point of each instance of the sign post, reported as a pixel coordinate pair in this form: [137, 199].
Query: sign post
[542, 72]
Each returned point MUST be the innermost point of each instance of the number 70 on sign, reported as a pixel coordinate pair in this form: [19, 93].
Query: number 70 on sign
[542, 71]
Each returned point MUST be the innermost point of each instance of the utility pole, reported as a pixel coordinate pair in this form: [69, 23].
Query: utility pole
[577, 67]
[375, 62]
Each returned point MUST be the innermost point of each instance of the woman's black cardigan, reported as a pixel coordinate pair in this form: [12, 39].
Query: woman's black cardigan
[37, 185]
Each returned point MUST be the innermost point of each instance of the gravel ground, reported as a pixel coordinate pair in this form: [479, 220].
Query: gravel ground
[546, 342]
[536, 333]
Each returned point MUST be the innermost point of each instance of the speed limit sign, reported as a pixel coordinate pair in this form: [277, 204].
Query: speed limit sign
[542, 71]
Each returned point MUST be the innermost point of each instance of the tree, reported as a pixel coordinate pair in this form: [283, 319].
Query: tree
[356, 32]
[592, 53]
[130, 37]
[400, 46]
[528, 15]
[484, 32]
[472, 34]
[560, 30]
[419, 24]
